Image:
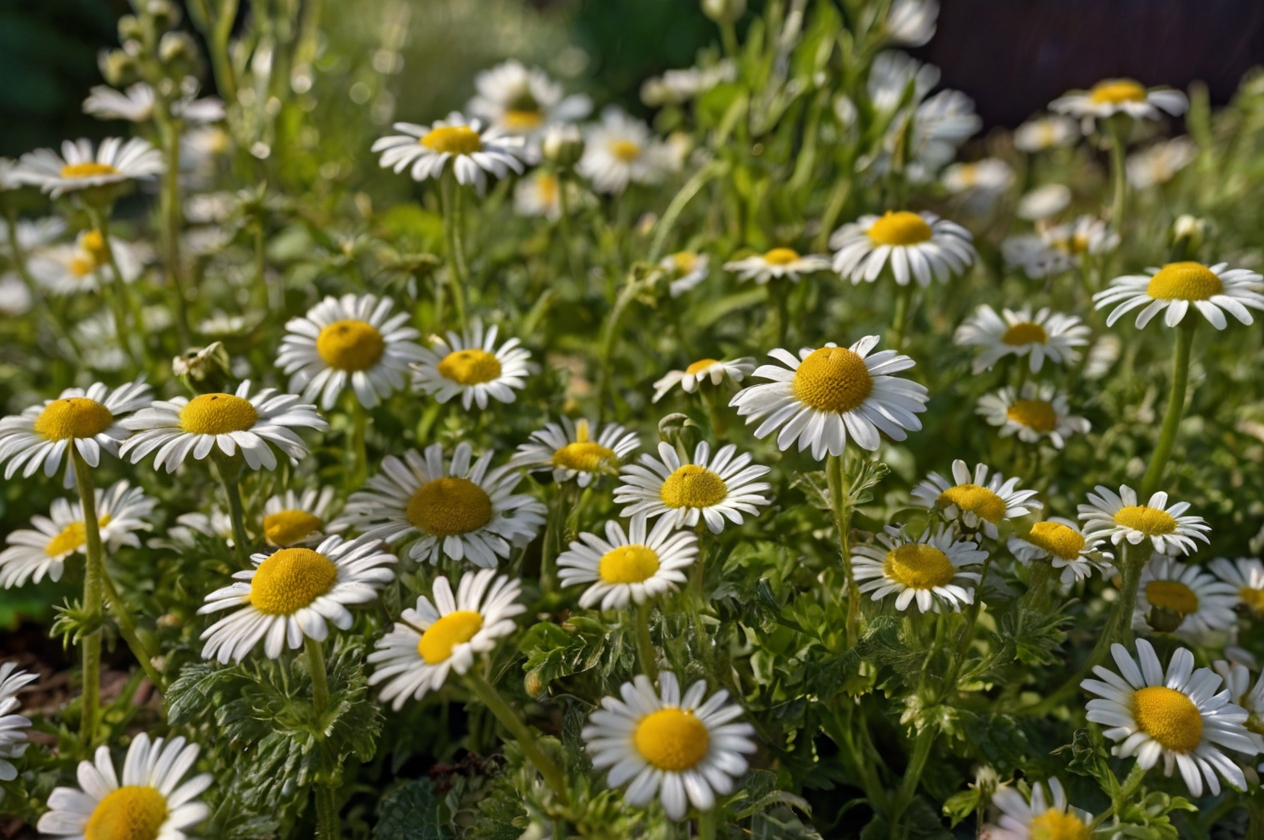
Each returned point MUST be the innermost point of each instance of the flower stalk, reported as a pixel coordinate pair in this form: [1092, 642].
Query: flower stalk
[230, 477]
[450, 198]
[646, 656]
[94, 573]
[1175, 406]
[327, 821]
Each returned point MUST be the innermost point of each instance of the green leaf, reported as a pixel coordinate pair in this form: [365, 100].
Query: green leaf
[412, 812]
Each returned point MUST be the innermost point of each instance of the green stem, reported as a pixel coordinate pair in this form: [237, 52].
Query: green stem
[171, 218]
[120, 300]
[359, 449]
[564, 209]
[912, 777]
[230, 476]
[781, 301]
[645, 653]
[899, 321]
[630, 290]
[490, 697]
[715, 408]
[1119, 172]
[673, 211]
[709, 823]
[554, 535]
[840, 501]
[327, 823]
[1175, 405]
[1130, 785]
[42, 308]
[127, 629]
[967, 633]
[728, 36]
[450, 198]
[94, 571]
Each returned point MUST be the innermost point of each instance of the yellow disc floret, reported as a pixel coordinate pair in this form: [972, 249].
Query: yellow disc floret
[1058, 825]
[1169, 717]
[217, 414]
[699, 366]
[287, 527]
[1039, 415]
[899, 227]
[350, 345]
[73, 417]
[1253, 598]
[672, 739]
[470, 367]
[833, 379]
[1025, 332]
[1184, 281]
[625, 151]
[291, 579]
[453, 140]
[1150, 521]
[693, 486]
[919, 566]
[1172, 595]
[781, 256]
[455, 628]
[449, 507]
[628, 564]
[583, 456]
[72, 538]
[980, 501]
[1057, 539]
[684, 261]
[522, 119]
[1117, 92]
[133, 812]
[90, 169]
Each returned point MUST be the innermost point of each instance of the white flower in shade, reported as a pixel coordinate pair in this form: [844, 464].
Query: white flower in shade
[1119, 517]
[522, 101]
[1247, 575]
[918, 246]
[911, 23]
[437, 638]
[1203, 603]
[1178, 716]
[136, 104]
[426, 150]
[1177, 286]
[293, 518]
[1062, 543]
[1120, 96]
[890, 76]
[1237, 680]
[191, 527]
[682, 749]
[80, 167]
[15, 297]
[349, 341]
[777, 264]
[1046, 132]
[1058, 248]
[687, 269]
[710, 489]
[539, 194]
[979, 504]
[84, 266]
[577, 449]
[472, 366]
[678, 86]
[927, 569]
[1045, 335]
[825, 396]
[1043, 814]
[459, 510]
[1036, 413]
[621, 150]
[88, 420]
[1159, 163]
[1036, 258]
[699, 373]
[32, 235]
[12, 726]
[1043, 202]
[990, 175]
[180, 428]
[631, 566]
[939, 125]
[292, 594]
[10, 179]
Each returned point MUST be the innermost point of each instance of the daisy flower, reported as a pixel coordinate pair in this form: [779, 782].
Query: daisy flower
[892, 73]
[927, 569]
[1159, 163]
[687, 269]
[180, 427]
[911, 23]
[682, 749]
[15, 296]
[522, 101]
[1119, 517]
[777, 264]
[1043, 814]
[1046, 132]
[621, 150]
[82, 267]
[684, 493]
[1035, 413]
[917, 245]
[1202, 603]
[32, 235]
[574, 449]
[1044, 202]
[12, 726]
[1237, 680]
[1247, 575]
[436, 638]
[632, 566]
[974, 500]
[1177, 716]
[292, 518]
[79, 167]
[539, 194]
[191, 527]
[472, 150]
[152, 801]
[459, 510]
[470, 365]
[1176, 286]
[349, 341]
[290, 594]
[136, 104]
[679, 86]
[990, 175]
[1120, 96]
[699, 373]
[88, 420]
[1047, 334]
[826, 395]
[1062, 543]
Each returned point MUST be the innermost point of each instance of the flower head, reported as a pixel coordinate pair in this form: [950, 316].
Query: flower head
[1120, 96]
[1044, 335]
[79, 268]
[472, 151]
[686, 269]
[524, 101]
[974, 500]
[702, 372]
[472, 366]
[706, 488]
[628, 566]
[12, 726]
[926, 569]
[1196, 603]
[621, 150]
[291, 518]
[1062, 543]
[918, 246]
[1035, 413]
[777, 264]
[80, 167]
[1119, 517]
[1212, 290]
[1043, 814]
[577, 449]
[1247, 575]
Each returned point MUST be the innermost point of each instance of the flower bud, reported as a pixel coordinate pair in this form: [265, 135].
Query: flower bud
[724, 11]
[179, 52]
[164, 14]
[119, 68]
[1188, 234]
[562, 145]
[130, 29]
[1164, 620]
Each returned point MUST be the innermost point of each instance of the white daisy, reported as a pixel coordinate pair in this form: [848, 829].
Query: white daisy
[1159, 163]
[1035, 413]
[191, 527]
[777, 264]
[927, 569]
[575, 449]
[679, 86]
[12, 726]
[939, 126]
[459, 510]
[699, 373]
[1176, 286]
[180, 427]
[891, 75]
[473, 151]
[682, 749]
[707, 488]
[1061, 542]
[628, 566]
[687, 269]
[1047, 334]
[297, 519]
[621, 150]
[1044, 814]
[470, 365]
[974, 500]
[136, 104]
[1044, 202]
[79, 167]
[291, 594]
[1202, 603]
[1046, 132]
[829, 394]
[1178, 717]
[32, 235]
[1054, 249]
[83, 267]
[1247, 575]
[1119, 517]
[436, 638]
[990, 175]
[15, 295]
[523, 101]
[539, 194]
[1120, 96]
[1237, 680]
[917, 245]
[10, 179]
[911, 23]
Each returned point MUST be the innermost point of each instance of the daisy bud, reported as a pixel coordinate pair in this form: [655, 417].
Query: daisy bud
[164, 14]
[562, 145]
[1188, 234]
[672, 428]
[129, 29]
[724, 11]
[119, 68]
[1164, 620]
[178, 48]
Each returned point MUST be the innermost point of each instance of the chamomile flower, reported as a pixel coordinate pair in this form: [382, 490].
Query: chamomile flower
[1120, 516]
[703, 371]
[1036, 413]
[683, 85]
[1159, 163]
[1237, 680]
[32, 235]
[1203, 603]
[631, 566]
[621, 150]
[1247, 575]
[458, 510]
[920, 246]
[88, 420]
[1062, 543]
[990, 175]
[472, 366]
[349, 341]
[1212, 290]
[180, 428]
[192, 527]
[979, 504]
[539, 194]
[1054, 249]
[826, 395]
[15, 295]
[522, 101]
[1043, 202]
[426, 150]
[293, 518]
[1120, 96]
[576, 449]
[1046, 132]
[136, 104]
[12, 726]
[1042, 814]
[704, 489]
[453, 631]
[686, 269]
[911, 22]
[80, 167]
[927, 569]
[1178, 716]
[292, 594]
[777, 264]
[84, 266]
[1046, 334]
[683, 749]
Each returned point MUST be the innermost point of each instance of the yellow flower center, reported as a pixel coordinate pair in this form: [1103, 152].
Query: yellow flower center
[449, 507]
[1169, 717]
[72, 537]
[73, 417]
[522, 120]
[899, 227]
[625, 151]
[1025, 333]
[693, 486]
[699, 366]
[470, 367]
[91, 254]
[350, 345]
[547, 186]
[685, 261]
[287, 527]
[1150, 521]
[88, 170]
[217, 414]
[1117, 92]
[134, 812]
[1057, 539]
[583, 456]
[1184, 281]
[781, 256]
[81, 267]
[628, 564]
[980, 501]
[1034, 414]
[1057, 825]
[833, 379]
[1253, 598]
[455, 628]
[672, 739]
[919, 566]
[291, 579]
[1172, 595]
[453, 140]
